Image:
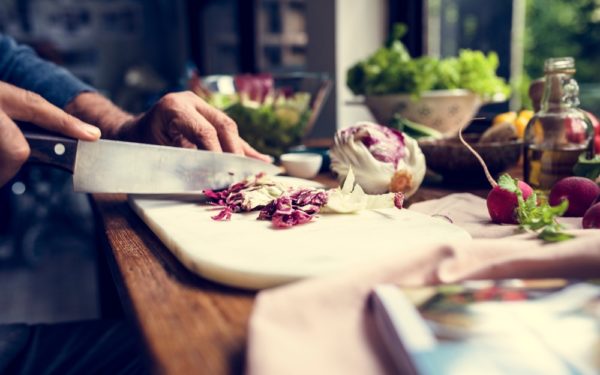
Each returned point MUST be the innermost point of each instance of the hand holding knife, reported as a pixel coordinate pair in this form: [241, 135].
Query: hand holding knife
[178, 119]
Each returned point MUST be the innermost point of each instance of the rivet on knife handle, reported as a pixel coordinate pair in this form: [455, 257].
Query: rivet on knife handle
[52, 150]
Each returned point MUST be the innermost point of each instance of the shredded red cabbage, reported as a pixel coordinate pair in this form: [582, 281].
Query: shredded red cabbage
[224, 214]
[291, 208]
[232, 198]
[297, 207]
[294, 207]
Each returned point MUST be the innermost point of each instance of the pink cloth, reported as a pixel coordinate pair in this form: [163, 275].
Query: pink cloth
[323, 325]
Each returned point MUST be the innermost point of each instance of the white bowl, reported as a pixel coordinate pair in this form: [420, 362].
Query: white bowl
[303, 165]
[443, 110]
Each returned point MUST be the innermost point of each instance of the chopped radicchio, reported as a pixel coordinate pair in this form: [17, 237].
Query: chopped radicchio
[233, 199]
[229, 197]
[283, 206]
[294, 208]
[224, 214]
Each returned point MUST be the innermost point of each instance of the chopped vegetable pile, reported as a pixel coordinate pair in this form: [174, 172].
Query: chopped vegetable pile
[391, 70]
[296, 207]
[287, 206]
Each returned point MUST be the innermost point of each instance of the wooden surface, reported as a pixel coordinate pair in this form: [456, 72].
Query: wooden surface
[190, 325]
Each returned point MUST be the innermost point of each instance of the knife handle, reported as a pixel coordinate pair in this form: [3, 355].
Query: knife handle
[52, 150]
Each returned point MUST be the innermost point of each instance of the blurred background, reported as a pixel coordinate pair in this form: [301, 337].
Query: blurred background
[134, 51]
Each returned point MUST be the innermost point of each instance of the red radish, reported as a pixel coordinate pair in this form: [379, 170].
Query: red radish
[596, 125]
[595, 122]
[581, 192]
[575, 129]
[591, 219]
[501, 203]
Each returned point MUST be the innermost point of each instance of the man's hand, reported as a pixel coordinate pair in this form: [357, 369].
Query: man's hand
[20, 105]
[185, 120]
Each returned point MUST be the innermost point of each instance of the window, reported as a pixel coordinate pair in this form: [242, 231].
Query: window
[523, 33]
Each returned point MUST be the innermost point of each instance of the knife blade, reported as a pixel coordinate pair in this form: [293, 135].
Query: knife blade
[122, 167]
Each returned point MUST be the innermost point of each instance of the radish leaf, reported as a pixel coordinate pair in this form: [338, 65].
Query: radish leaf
[534, 216]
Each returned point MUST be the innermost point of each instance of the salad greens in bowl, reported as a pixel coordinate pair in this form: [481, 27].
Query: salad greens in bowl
[273, 112]
[443, 94]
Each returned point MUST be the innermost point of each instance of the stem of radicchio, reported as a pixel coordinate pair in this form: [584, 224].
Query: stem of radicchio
[399, 200]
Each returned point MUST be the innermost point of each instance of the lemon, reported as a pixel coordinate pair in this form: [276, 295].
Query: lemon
[505, 117]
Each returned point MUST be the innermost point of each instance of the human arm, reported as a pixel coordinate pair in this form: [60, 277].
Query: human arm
[178, 119]
[43, 89]
[164, 124]
[22, 67]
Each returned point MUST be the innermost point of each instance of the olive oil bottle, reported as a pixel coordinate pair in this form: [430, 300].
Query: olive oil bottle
[558, 132]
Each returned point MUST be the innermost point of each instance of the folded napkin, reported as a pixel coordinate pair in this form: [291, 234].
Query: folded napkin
[323, 325]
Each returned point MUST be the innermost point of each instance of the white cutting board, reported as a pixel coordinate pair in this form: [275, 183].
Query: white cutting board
[249, 253]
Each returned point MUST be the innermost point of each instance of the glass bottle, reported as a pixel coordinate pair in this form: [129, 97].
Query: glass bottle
[559, 132]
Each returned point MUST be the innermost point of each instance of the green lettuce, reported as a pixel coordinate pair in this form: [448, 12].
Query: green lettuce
[271, 126]
[391, 70]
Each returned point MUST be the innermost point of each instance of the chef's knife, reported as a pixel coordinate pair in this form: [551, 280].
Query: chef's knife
[122, 167]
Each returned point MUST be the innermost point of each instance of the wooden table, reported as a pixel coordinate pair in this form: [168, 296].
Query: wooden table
[190, 325]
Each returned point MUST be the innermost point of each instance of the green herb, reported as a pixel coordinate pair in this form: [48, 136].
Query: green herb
[391, 70]
[508, 183]
[534, 216]
[552, 235]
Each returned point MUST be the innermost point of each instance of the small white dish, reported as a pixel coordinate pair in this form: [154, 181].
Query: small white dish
[302, 165]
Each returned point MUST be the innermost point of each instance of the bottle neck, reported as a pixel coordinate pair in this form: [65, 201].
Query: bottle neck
[561, 92]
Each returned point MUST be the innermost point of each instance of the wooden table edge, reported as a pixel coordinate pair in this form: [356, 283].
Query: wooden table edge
[215, 317]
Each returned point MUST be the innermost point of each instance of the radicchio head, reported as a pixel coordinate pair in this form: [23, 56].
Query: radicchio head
[383, 159]
[385, 144]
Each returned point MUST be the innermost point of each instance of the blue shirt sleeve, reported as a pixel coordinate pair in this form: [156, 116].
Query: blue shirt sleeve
[22, 67]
